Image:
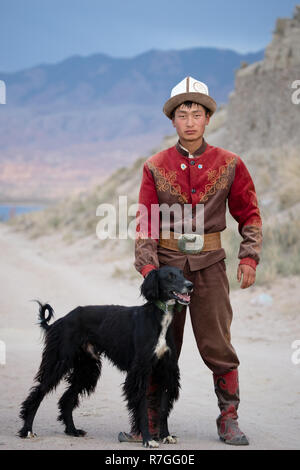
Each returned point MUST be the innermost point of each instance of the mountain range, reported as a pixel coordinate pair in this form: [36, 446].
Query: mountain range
[68, 124]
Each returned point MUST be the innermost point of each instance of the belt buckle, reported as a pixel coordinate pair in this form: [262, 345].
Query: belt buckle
[190, 243]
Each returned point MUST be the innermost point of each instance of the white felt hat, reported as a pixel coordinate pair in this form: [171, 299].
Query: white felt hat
[189, 89]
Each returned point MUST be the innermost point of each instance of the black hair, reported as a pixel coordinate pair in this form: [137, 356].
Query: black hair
[189, 104]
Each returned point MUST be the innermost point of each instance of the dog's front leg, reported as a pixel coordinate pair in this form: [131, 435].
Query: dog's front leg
[165, 406]
[135, 389]
[144, 425]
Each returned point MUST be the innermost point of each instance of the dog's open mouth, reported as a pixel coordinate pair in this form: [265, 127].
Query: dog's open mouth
[182, 298]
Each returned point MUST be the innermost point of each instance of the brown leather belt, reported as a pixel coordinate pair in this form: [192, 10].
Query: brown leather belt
[191, 243]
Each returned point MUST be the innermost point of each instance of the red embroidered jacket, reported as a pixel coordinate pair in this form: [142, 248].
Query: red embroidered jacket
[211, 176]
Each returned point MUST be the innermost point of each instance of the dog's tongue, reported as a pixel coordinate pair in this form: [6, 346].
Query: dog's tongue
[185, 297]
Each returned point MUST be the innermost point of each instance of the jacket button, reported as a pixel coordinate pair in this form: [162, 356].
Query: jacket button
[193, 162]
[193, 190]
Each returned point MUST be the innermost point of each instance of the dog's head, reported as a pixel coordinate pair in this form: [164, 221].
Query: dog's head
[167, 283]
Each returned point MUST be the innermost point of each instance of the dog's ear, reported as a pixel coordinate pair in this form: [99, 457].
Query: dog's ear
[150, 286]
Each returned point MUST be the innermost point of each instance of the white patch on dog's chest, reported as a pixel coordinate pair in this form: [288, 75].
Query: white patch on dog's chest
[161, 347]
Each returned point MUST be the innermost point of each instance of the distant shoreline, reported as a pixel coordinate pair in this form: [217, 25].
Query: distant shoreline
[27, 202]
[10, 209]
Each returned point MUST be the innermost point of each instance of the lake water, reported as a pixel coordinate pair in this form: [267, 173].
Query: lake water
[10, 210]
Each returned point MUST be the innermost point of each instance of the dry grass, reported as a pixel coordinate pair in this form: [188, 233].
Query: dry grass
[75, 217]
[280, 255]
[276, 173]
[289, 178]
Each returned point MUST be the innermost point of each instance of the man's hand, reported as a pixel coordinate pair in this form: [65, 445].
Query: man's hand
[248, 274]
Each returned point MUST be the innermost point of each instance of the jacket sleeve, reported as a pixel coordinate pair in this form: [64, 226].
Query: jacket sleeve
[147, 225]
[242, 204]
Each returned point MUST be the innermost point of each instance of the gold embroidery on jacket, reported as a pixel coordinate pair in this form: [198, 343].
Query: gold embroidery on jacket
[166, 181]
[218, 179]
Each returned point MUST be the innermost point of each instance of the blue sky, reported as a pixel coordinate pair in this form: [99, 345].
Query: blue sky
[47, 31]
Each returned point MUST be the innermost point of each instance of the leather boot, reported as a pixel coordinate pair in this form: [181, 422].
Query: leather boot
[227, 391]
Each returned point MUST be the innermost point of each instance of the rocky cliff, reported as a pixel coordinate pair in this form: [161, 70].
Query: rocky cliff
[261, 113]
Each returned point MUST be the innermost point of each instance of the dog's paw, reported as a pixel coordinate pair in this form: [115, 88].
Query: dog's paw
[151, 444]
[170, 440]
[75, 432]
[80, 432]
[25, 433]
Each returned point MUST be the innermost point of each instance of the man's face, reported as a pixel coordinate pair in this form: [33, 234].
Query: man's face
[190, 122]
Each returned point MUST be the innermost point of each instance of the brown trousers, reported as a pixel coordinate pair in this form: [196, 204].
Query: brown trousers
[211, 316]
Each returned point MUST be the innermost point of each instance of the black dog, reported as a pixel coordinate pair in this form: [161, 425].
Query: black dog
[137, 340]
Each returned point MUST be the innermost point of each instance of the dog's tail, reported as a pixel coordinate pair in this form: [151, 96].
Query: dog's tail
[43, 320]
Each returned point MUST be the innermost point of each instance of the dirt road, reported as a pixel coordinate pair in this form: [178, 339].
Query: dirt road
[266, 322]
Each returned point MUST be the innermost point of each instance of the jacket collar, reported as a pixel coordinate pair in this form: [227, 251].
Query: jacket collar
[186, 153]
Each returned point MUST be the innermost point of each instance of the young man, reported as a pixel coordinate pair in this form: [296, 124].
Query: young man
[196, 173]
